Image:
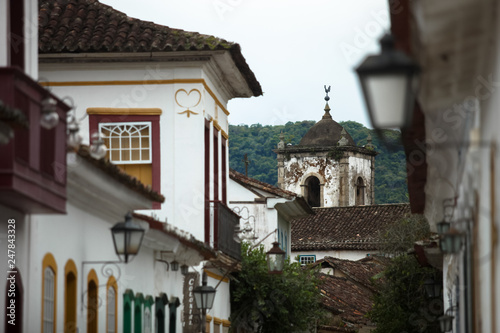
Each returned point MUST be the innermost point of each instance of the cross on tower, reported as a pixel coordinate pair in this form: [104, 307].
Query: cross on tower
[247, 162]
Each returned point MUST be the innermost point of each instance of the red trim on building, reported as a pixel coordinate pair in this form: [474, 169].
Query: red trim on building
[416, 162]
[33, 163]
[95, 120]
[207, 181]
[16, 33]
[224, 170]
[216, 187]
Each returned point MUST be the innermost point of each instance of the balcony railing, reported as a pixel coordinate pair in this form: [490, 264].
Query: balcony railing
[223, 222]
[33, 162]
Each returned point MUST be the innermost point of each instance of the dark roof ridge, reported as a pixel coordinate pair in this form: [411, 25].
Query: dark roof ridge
[245, 180]
[357, 207]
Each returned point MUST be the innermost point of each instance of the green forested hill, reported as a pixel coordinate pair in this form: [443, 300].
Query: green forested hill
[257, 142]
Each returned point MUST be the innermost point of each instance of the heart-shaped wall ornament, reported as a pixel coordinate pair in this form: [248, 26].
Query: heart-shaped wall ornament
[188, 99]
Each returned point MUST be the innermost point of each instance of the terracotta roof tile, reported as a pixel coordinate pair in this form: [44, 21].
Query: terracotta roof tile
[87, 26]
[344, 228]
[360, 271]
[350, 296]
[247, 181]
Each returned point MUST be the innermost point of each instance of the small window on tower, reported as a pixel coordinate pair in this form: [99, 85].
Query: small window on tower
[360, 192]
[313, 191]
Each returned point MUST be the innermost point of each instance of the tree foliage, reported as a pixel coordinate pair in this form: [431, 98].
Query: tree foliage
[401, 304]
[267, 303]
[258, 141]
[400, 236]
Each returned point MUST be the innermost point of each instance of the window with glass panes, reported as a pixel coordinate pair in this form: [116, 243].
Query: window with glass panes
[307, 259]
[48, 300]
[111, 310]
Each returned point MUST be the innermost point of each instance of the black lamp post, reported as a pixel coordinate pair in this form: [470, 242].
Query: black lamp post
[204, 297]
[388, 81]
[127, 238]
[275, 259]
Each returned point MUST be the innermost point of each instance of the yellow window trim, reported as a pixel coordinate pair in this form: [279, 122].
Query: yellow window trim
[208, 318]
[226, 323]
[136, 82]
[112, 284]
[92, 276]
[50, 261]
[127, 111]
[69, 268]
[224, 134]
[216, 276]
[217, 321]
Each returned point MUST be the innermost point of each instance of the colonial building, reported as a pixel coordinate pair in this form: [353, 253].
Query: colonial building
[266, 211]
[326, 167]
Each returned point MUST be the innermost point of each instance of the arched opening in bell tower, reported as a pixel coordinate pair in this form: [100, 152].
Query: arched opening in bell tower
[313, 191]
[360, 192]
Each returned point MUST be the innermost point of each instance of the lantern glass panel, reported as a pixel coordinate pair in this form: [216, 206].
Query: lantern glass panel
[386, 96]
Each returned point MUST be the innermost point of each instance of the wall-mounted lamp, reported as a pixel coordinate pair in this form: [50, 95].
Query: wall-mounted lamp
[446, 320]
[127, 238]
[443, 227]
[204, 297]
[97, 147]
[174, 265]
[49, 117]
[275, 259]
[184, 269]
[388, 81]
[432, 288]
[451, 241]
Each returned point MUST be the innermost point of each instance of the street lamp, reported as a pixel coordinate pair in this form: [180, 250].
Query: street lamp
[451, 241]
[127, 238]
[49, 117]
[174, 265]
[446, 320]
[388, 81]
[275, 259]
[443, 227]
[204, 297]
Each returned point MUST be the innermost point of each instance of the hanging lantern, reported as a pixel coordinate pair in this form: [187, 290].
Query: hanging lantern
[275, 259]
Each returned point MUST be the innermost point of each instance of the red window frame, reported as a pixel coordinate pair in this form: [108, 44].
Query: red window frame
[95, 120]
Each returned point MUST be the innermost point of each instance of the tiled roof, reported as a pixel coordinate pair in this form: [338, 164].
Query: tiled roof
[88, 26]
[247, 181]
[350, 296]
[344, 228]
[184, 238]
[346, 298]
[360, 271]
[114, 171]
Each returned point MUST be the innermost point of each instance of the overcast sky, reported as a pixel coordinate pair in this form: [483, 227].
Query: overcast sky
[293, 47]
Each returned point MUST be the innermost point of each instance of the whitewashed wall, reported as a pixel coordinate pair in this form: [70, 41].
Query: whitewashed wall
[182, 138]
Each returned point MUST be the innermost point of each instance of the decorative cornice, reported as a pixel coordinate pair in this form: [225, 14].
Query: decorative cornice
[127, 111]
[136, 82]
